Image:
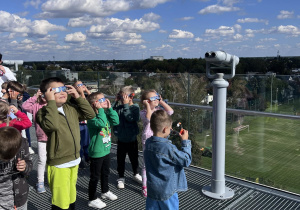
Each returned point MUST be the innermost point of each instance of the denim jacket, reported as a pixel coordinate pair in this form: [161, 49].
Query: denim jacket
[164, 167]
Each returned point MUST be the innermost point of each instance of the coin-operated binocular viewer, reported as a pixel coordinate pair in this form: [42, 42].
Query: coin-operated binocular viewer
[223, 66]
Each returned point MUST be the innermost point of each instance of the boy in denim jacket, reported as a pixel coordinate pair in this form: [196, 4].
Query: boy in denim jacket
[164, 164]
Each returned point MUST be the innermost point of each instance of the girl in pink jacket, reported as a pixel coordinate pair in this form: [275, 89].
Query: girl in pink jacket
[32, 105]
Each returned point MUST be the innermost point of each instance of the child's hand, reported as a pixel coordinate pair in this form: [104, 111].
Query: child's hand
[108, 103]
[2, 69]
[13, 109]
[97, 105]
[49, 95]
[39, 93]
[80, 89]
[13, 94]
[125, 99]
[184, 135]
[145, 102]
[21, 165]
[72, 91]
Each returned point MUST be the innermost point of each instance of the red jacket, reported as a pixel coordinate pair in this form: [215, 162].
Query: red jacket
[21, 122]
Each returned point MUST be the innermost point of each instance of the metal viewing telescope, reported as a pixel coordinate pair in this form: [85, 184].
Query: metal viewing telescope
[221, 63]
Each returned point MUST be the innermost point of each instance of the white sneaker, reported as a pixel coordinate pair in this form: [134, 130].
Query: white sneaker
[31, 151]
[97, 203]
[138, 178]
[121, 183]
[109, 195]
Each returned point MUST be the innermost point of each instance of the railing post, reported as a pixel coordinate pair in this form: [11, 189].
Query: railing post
[217, 188]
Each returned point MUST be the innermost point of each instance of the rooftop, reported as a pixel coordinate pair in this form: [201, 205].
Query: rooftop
[247, 195]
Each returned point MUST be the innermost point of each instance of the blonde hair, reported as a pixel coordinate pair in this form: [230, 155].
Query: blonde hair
[4, 111]
[144, 95]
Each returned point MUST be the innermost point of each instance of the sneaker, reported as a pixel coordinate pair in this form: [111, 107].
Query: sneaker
[40, 188]
[121, 183]
[138, 178]
[144, 191]
[109, 195]
[31, 151]
[97, 203]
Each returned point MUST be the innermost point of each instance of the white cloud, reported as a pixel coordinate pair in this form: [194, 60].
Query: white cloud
[285, 14]
[33, 3]
[288, 29]
[238, 37]
[261, 47]
[186, 49]
[95, 8]
[84, 21]
[163, 31]
[15, 24]
[217, 9]
[179, 34]
[126, 25]
[221, 31]
[230, 2]
[186, 18]
[164, 46]
[143, 47]
[26, 41]
[151, 17]
[198, 39]
[75, 37]
[267, 40]
[253, 20]
[62, 47]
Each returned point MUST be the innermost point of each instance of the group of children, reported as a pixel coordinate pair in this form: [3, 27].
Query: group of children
[74, 126]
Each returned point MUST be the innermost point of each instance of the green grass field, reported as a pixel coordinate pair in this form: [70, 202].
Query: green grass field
[269, 153]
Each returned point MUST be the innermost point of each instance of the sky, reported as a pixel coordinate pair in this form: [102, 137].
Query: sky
[43, 30]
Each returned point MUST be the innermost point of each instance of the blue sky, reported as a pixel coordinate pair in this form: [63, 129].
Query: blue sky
[42, 30]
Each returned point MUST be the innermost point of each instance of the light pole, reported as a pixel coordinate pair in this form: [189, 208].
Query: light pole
[272, 75]
[276, 98]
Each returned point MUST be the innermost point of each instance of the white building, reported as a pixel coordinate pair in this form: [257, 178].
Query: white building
[69, 75]
[158, 58]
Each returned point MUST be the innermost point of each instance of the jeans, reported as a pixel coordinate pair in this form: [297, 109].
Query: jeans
[132, 149]
[170, 204]
[100, 169]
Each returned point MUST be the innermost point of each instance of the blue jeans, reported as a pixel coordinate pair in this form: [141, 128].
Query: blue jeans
[170, 204]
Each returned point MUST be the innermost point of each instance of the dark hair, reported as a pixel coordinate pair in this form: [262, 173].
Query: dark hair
[45, 83]
[16, 86]
[93, 97]
[4, 85]
[160, 119]
[10, 141]
[0, 57]
[144, 95]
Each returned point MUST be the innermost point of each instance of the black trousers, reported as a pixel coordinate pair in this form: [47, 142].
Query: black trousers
[99, 169]
[132, 149]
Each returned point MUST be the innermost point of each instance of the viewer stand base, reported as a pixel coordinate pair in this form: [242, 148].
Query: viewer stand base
[229, 193]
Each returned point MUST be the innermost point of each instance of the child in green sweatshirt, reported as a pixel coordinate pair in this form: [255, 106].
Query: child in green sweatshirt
[99, 148]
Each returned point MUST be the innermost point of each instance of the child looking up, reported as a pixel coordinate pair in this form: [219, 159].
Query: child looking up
[150, 99]
[164, 164]
[126, 132]
[59, 120]
[15, 166]
[84, 132]
[33, 105]
[99, 148]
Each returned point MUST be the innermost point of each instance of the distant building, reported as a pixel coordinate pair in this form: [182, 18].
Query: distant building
[158, 58]
[66, 72]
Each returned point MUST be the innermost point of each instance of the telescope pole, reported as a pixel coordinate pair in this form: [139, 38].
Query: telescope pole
[217, 188]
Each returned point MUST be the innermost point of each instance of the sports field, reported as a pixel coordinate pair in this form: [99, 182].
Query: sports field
[268, 154]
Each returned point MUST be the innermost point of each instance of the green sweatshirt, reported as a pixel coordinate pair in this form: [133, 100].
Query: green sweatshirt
[100, 132]
[63, 130]
[129, 116]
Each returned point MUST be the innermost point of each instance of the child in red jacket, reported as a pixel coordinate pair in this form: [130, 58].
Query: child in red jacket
[20, 122]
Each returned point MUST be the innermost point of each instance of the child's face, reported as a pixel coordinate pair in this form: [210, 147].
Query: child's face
[155, 103]
[60, 97]
[103, 104]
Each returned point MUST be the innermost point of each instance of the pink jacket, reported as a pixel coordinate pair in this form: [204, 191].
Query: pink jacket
[31, 106]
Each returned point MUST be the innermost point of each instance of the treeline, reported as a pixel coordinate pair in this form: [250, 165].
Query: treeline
[278, 65]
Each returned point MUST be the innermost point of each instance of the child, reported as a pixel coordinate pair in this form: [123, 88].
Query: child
[84, 132]
[126, 132]
[164, 164]
[15, 166]
[4, 90]
[59, 120]
[21, 121]
[150, 99]
[32, 105]
[99, 148]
